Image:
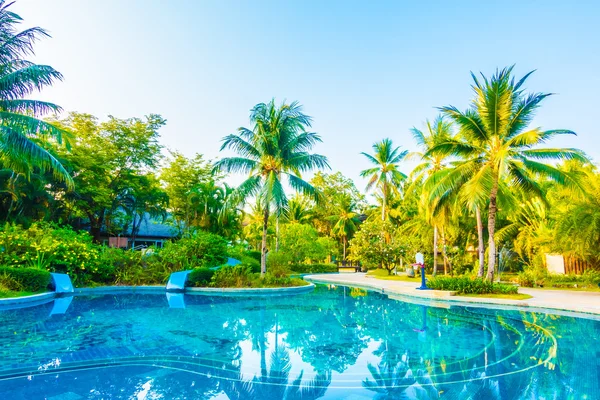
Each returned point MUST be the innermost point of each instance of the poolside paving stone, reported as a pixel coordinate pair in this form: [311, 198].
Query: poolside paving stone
[557, 300]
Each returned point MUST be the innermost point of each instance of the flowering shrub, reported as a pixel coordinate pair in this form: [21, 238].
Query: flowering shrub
[54, 249]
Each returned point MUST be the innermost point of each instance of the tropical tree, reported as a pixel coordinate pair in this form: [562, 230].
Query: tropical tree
[333, 187]
[577, 216]
[377, 243]
[181, 177]
[106, 160]
[21, 129]
[385, 173]
[437, 132]
[346, 221]
[495, 144]
[299, 211]
[277, 146]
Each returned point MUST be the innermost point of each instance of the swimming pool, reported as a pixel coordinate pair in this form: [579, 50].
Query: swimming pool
[334, 342]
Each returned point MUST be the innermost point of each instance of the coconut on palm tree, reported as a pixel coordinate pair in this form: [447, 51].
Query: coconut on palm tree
[494, 144]
[385, 174]
[277, 147]
[20, 125]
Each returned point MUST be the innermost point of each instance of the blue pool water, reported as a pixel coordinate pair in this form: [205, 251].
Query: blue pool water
[334, 342]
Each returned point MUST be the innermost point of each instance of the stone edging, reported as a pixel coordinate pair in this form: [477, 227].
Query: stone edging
[261, 291]
[42, 298]
[447, 299]
[34, 298]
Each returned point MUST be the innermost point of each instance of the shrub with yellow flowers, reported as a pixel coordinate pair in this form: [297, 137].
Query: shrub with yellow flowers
[52, 248]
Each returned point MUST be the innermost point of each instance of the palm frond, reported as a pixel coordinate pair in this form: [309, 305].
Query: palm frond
[235, 164]
[24, 81]
[241, 146]
[469, 123]
[305, 188]
[555, 154]
[17, 147]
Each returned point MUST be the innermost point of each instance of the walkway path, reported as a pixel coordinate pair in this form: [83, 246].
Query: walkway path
[560, 301]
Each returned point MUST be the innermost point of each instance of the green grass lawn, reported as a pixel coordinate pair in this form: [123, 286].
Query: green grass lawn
[519, 296]
[383, 274]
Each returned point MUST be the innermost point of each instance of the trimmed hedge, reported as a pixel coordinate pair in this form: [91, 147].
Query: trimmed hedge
[200, 277]
[313, 268]
[30, 279]
[467, 285]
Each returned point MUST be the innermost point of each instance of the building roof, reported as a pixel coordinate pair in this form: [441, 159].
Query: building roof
[151, 227]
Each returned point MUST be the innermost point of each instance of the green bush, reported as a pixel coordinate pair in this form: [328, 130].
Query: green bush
[255, 254]
[467, 285]
[202, 249]
[241, 277]
[8, 283]
[28, 279]
[51, 248]
[270, 280]
[238, 277]
[463, 264]
[277, 258]
[133, 267]
[200, 277]
[313, 268]
[534, 278]
[252, 263]
[526, 279]
[279, 271]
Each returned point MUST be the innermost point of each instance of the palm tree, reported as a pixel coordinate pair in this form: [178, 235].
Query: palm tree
[278, 145]
[385, 174]
[495, 145]
[346, 220]
[20, 126]
[437, 132]
[577, 228]
[299, 211]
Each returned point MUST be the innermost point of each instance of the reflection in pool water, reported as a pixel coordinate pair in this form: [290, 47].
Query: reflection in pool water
[335, 342]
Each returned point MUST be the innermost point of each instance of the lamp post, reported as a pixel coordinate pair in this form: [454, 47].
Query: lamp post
[420, 262]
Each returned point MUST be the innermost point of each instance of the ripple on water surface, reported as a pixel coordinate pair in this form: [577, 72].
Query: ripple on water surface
[335, 342]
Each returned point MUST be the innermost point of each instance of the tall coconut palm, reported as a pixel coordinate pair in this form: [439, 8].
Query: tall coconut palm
[346, 221]
[277, 146]
[20, 126]
[385, 173]
[495, 144]
[437, 132]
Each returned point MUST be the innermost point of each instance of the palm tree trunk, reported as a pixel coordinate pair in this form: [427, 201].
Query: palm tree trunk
[435, 249]
[492, 229]
[444, 256]
[384, 192]
[481, 249]
[263, 256]
[344, 259]
[133, 230]
[277, 233]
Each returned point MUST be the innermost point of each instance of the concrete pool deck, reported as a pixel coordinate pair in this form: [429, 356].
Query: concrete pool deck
[563, 300]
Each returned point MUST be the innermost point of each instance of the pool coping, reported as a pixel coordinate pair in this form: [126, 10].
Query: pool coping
[441, 298]
[42, 298]
[278, 290]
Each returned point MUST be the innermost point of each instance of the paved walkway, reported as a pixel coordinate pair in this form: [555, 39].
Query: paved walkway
[560, 301]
